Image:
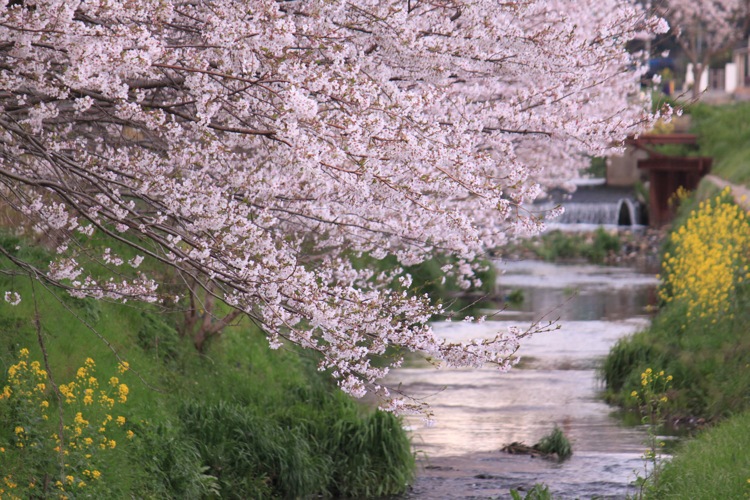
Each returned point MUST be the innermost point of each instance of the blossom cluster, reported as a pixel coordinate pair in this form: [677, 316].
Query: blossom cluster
[253, 146]
[710, 259]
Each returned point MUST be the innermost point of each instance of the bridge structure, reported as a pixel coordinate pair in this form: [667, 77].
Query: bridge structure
[667, 173]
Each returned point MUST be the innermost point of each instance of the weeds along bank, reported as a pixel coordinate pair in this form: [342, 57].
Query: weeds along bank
[700, 337]
[713, 465]
[700, 334]
[162, 421]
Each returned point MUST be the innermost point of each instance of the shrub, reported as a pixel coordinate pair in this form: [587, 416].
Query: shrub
[555, 443]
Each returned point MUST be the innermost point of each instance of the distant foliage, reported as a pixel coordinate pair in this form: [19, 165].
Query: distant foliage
[556, 245]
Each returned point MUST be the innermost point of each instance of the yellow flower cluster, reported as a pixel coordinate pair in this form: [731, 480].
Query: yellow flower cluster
[85, 386]
[91, 432]
[28, 382]
[710, 259]
[654, 386]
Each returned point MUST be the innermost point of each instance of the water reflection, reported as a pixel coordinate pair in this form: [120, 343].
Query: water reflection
[576, 292]
[477, 412]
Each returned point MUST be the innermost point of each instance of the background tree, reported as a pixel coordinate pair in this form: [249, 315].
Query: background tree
[705, 29]
[253, 146]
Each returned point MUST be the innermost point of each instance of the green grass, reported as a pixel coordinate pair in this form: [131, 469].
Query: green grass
[714, 465]
[239, 421]
[724, 134]
[555, 246]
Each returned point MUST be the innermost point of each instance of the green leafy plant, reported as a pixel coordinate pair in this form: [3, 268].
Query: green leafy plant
[555, 443]
[538, 492]
[652, 400]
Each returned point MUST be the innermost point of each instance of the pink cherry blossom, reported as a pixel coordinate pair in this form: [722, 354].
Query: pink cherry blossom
[253, 147]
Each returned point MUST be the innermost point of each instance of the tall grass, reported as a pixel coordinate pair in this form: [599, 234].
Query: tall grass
[714, 465]
[555, 442]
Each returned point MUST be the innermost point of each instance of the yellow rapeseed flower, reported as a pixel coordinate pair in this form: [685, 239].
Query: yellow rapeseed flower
[80, 420]
[710, 259]
[123, 392]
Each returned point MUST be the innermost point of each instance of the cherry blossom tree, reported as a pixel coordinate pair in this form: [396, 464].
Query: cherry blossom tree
[705, 28]
[254, 147]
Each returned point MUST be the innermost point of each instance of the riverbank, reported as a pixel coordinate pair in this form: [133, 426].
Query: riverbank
[614, 246]
[699, 336]
[699, 339]
[237, 421]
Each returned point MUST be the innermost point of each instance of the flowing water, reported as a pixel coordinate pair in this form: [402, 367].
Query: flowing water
[477, 412]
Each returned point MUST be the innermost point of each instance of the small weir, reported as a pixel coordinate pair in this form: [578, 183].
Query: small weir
[477, 412]
[621, 212]
[594, 205]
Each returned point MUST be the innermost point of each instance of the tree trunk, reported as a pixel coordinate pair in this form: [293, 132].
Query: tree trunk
[698, 68]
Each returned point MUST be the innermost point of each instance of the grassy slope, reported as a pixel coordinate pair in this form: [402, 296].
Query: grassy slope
[708, 362]
[724, 134]
[714, 465]
[246, 420]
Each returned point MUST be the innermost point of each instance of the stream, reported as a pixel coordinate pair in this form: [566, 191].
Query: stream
[477, 412]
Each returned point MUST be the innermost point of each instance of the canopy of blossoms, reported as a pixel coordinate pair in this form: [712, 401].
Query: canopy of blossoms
[254, 146]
